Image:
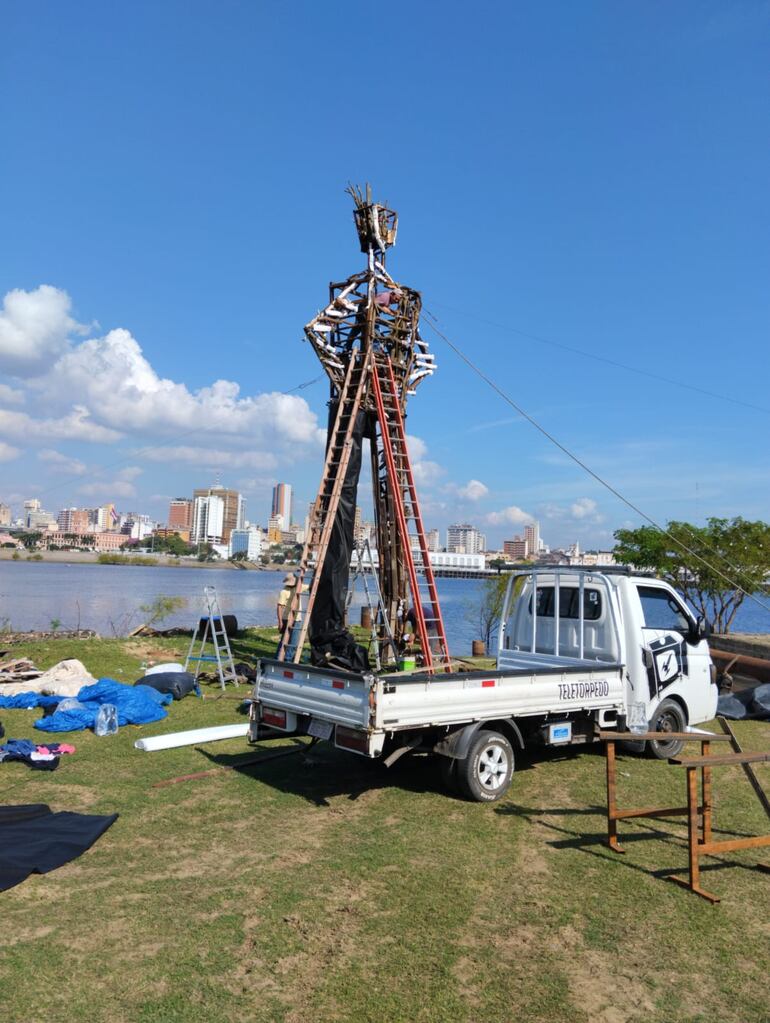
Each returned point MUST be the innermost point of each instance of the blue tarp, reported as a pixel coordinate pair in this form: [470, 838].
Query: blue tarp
[136, 705]
[26, 701]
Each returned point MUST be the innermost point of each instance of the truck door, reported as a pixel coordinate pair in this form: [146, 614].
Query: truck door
[674, 667]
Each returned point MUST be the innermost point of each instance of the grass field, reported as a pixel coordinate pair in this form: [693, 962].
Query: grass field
[324, 887]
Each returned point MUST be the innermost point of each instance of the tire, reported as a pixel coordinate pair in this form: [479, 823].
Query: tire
[668, 717]
[485, 774]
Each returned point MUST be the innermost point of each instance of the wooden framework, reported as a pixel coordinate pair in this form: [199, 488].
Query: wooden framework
[368, 341]
[699, 814]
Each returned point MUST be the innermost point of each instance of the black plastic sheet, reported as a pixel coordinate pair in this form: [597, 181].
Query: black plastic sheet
[33, 839]
[329, 638]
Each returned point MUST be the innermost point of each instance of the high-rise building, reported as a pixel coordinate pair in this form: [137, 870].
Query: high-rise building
[282, 503]
[275, 527]
[107, 518]
[532, 536]
[73, 520]
[434, 540]
[216, 513]
[464, 538]
[248, 541]
[5, 515]
[516, 549]
[180, 513]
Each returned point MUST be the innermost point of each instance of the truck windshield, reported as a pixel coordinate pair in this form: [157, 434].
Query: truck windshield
[569, 603]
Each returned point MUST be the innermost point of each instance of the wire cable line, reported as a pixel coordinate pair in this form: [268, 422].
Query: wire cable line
[432, 323]
[609, 362]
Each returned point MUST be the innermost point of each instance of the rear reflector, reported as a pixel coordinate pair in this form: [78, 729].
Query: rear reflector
[352, 738]
[288, 674]
[336, 684]
[276, 718]
[488, 683]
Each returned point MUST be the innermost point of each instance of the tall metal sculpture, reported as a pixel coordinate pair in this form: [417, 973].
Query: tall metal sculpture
[368, 341]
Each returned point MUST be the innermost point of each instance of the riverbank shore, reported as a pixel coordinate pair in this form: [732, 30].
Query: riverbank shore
[159, 560]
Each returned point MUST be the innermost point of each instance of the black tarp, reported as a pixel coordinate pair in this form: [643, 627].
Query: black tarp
[328, 635]
[33, 839]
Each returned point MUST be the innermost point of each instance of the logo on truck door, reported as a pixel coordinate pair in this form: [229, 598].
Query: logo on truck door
[666, 662]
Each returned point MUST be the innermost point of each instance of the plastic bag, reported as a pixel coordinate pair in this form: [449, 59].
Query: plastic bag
[106, 722]
[70, 703]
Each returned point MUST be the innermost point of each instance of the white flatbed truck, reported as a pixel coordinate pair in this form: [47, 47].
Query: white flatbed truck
[578, 651]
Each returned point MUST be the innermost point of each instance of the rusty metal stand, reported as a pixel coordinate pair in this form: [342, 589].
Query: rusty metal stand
[706, 846]
[614, 814]
[699, 816]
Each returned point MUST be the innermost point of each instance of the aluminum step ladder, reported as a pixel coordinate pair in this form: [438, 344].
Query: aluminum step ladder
[380, 631]
[213, 632]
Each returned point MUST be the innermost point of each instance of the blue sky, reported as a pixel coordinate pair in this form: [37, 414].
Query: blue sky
[595, 175]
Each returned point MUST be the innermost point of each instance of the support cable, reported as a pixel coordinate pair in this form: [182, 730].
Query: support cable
[431, 321]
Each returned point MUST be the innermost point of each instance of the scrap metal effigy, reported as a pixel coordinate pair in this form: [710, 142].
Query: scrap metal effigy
[368, 341]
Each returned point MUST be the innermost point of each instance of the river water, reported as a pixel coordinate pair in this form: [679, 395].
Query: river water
[107, 598]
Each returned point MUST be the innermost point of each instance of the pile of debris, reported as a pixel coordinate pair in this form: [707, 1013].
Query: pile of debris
[18, 669]
[11, 638]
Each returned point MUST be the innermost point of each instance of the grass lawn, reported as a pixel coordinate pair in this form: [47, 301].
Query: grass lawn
[328, 888]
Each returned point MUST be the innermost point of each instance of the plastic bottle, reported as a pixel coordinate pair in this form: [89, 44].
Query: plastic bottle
[637, 719]
[106, 720]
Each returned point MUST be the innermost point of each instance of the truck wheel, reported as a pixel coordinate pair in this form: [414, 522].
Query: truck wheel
[667, 718]
[486, 772]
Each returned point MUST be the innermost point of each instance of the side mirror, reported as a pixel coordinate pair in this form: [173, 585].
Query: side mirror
[699, 629]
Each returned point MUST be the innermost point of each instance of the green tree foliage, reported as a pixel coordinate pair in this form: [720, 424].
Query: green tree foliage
[485, 613]
[735, 561]
[173, 544]
[163, 606]
[30, 540]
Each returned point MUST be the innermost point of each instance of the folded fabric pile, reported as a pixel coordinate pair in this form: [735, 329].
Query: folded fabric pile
[135, 705]
[39, 758]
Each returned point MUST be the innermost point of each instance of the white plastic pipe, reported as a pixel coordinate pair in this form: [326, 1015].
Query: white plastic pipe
[174, 739]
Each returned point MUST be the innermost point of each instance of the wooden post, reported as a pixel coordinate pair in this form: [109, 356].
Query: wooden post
[705, 747]
[692, 826]
[612, 822]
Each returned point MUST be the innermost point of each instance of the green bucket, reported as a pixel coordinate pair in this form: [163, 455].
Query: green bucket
[408, 663]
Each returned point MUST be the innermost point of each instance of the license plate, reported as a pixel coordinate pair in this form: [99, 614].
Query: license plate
[320, 729]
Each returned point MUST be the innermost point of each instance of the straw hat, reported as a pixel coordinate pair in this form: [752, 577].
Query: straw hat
[287, 579]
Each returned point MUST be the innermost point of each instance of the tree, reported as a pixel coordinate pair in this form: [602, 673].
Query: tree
[160, 608]
[30, 540]
[730, 558]
[486, 613]
[240, 556]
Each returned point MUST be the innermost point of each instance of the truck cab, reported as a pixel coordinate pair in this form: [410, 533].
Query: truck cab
[615, 616]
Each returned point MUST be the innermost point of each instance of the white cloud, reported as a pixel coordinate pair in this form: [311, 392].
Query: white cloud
[130, 473]
[583, 508]
[76, 425]
[57, 462]
[426, 472]
[210, 458]
[473, 490]
[418, 449]
[510, 516]
[8, 453]
[115, 488]
[9, 396]
[34, 327]
[114, 379]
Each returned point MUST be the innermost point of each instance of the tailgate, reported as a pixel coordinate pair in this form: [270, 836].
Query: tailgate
[341, 697]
